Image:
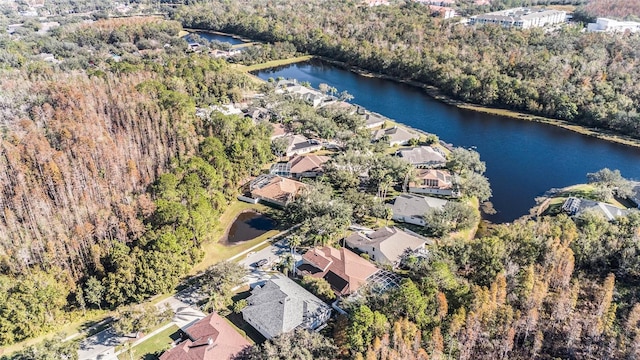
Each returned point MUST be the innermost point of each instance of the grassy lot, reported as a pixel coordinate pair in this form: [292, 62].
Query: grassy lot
[148, 348]
[215, 252]
[470, 233]
[274, 63]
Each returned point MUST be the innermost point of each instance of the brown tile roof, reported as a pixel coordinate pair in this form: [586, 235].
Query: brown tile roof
[343, 269]
[279, 189]
[225, 341]
[442, 177]
[301, 164]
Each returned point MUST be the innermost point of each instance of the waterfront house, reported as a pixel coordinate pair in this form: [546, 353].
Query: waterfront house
[275, 189]
[386, 245]
[433, 181]
[299, 144]
[397, 136]
[281, 305]
[311, 96]
[308, 166]
[411, 208]
[344, 270]
[635, 197]
[211, 338]
[423, 157]
[577, 206]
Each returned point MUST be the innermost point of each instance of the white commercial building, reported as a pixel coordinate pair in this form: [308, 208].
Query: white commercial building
[523, 18]
[615, 26]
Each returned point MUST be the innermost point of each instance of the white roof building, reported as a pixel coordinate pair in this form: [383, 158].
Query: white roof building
[523, 18]
[613, 26]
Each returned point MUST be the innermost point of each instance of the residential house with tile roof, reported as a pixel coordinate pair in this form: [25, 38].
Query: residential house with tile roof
[411, 208]
[308, 166]
[343, 269]
[433, 181]
[211, 338]
[386, 245]
[281, 305]
[275, 189]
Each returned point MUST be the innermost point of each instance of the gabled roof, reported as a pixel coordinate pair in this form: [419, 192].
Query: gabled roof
[391, 241]
[414, 205]
[301, 164]
[396, 134]
[281, 305]
[423, 155]
[342, 268]
[211, 338]
[297, 142]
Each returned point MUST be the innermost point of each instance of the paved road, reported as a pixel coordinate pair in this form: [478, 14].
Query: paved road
[101, 346]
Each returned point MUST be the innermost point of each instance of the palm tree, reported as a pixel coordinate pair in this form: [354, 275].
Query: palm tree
[294, 241]
[286, 264]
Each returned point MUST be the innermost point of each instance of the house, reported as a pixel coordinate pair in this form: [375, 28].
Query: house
[344, 270]
[211, 338]
[613, 26]
[373, 120]
[522, 18]
[397, 136]
[433, 181]
[311, 96]
[279, 130]
[576, 207]
[275, 189]
[281, 305]
[442, 11]
[258, 114]
[386, 245]
[411, 208]
[299, 144]
[423, 157]
[635, 197]
[309, 166]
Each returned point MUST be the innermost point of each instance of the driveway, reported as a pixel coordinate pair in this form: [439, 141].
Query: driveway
[101, 346]
[272, 254]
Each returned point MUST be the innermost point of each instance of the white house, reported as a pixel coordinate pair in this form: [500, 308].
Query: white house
[411, 208]
[386, 245]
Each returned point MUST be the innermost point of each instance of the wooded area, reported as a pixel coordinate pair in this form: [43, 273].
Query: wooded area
[586, 78]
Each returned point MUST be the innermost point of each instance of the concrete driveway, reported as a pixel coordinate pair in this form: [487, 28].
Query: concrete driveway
[272, 254]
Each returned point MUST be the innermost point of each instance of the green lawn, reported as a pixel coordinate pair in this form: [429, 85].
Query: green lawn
[147, 349]
[274, 63]
[215, 252]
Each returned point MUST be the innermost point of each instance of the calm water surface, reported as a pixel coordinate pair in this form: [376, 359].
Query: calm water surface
[217, 37]
[247, 226]
[524, 159]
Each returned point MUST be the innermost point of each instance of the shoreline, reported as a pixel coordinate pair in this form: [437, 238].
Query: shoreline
[436, 94]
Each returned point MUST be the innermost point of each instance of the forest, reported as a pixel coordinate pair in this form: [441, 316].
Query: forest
[585, 78]
[110, 184]
[109, 181]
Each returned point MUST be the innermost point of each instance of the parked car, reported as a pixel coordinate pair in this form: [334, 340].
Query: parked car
[260, 263]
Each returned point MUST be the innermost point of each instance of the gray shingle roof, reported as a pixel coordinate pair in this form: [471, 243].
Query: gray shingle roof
[280, 306]
[414, 205]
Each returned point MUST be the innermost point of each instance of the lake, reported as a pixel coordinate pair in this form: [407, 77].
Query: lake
[219, 37]
[248, 225]
[524, 159]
